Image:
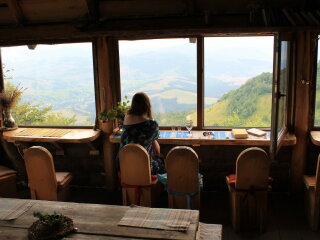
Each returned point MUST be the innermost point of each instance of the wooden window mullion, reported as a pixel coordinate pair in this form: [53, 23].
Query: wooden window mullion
[200, 83]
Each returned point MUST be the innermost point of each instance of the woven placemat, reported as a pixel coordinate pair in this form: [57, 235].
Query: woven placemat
[209, 231]
[43, 132]
[157, 218]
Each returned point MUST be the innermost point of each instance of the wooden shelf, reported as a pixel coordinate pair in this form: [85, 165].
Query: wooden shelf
[198, 139]
[71, 136]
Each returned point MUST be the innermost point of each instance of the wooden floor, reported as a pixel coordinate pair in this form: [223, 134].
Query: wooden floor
[286, 219]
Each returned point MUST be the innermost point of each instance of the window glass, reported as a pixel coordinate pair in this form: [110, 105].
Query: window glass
[279, 94]
[238, 81]
[283, 81]
[317, 105]
[166, 70]
[58, 82]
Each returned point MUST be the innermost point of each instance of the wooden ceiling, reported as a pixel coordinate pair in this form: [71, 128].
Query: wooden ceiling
[56, 19]
[26, 12]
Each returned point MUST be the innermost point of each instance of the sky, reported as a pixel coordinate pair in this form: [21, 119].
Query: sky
[263, 45]
[232, 60]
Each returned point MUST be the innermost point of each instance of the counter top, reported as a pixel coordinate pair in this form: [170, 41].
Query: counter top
[62, 135]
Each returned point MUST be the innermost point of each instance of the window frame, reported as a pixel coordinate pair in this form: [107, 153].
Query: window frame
[315, 46]
[95, 76]
[200, 77]
[278, 135]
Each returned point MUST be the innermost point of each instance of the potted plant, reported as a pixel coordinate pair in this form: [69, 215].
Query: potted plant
[116, 113]
[8, 100]
[50, 226]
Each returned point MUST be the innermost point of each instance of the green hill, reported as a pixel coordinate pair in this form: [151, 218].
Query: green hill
[247, 106]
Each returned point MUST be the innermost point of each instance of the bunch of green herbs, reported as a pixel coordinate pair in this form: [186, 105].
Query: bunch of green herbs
[51, 220]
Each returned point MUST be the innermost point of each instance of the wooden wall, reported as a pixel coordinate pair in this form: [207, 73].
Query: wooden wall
[76, 20]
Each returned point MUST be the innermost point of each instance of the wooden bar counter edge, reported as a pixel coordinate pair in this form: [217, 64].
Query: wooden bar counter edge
[198, 139]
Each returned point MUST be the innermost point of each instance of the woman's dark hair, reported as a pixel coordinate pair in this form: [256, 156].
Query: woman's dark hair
[140, 105]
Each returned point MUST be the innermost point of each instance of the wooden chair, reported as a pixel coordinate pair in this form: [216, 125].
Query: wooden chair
[313, 197]
[137, 185]
[44, 182]
[7, 182]
[249, 190]
[182, 165]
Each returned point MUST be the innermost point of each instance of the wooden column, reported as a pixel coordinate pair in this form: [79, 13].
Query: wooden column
[1, 88]
[303, 77]
[1, 74]
[105, 64]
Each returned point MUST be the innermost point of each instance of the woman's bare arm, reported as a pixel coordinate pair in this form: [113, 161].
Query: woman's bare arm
[156, 147]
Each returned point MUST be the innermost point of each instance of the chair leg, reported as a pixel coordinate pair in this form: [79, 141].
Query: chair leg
[33, 194]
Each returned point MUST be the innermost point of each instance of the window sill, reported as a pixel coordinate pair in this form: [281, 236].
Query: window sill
[225, 139]
[62, 135]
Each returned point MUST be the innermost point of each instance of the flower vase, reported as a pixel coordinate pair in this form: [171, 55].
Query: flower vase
[8, 120]
[120, 125]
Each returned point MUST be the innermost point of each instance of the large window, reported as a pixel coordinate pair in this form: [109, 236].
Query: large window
[59, 83]
[165, 69]
[238, 81]
[237, 84]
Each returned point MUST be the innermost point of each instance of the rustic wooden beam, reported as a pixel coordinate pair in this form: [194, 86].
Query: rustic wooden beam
[16, 11]
[302, 110]
[190, 6]
[93, 9]
[104, 52]
[130, 29]
[116, 69]
[1, 75]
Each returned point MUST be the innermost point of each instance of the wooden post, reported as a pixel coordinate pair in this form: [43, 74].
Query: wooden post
[1, 87]
[302, 111]
[104, 49]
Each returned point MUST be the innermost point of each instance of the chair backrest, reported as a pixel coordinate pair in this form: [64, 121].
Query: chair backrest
[135, 165]
[182, 165]
[252, 169]
[41, 173]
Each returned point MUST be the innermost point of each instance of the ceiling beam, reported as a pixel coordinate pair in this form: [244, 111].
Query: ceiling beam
[128, 29]
[16, 11]
[191, 7]
[93, 10]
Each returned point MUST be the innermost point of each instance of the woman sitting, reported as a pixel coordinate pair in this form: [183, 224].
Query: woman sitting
[140, 128]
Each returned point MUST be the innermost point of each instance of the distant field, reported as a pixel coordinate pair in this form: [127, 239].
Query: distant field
[81, 120]
[182, 96]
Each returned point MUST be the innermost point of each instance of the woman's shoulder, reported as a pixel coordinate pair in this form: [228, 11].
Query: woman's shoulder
[148, 122]
[133, 119]
[152, 122]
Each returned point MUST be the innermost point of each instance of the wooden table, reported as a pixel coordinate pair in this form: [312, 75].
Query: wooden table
[72, 136]
[94, 221]
[221, 138]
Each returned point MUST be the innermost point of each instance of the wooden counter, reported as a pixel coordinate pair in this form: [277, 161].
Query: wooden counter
[94, 221]
[72, 135]
[219, 138]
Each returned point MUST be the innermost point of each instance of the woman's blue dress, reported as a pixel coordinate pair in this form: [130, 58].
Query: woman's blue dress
[144, 133]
